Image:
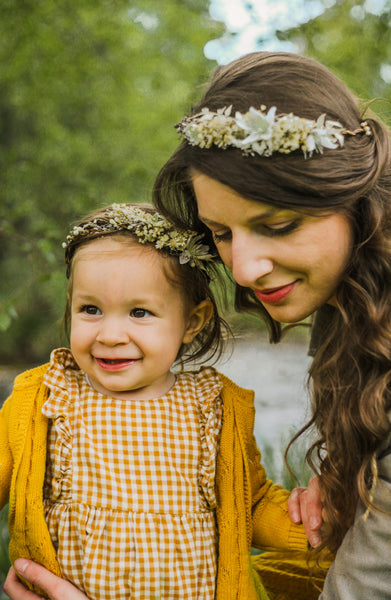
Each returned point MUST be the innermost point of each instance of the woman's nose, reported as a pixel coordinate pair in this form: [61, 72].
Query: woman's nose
[250, 260]
[111, 332]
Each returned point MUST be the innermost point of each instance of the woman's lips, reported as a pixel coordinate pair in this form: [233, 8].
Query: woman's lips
[275, 295]
[115, 364]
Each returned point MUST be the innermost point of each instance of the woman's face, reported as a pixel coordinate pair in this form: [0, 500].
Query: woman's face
[293, 261]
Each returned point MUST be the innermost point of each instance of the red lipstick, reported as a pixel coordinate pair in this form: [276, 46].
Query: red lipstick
[275, 295]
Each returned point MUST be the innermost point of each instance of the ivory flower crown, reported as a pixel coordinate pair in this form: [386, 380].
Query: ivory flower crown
[261, 132]
[147, 227]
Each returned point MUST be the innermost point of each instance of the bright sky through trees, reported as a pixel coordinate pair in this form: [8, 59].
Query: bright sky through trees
[252, 24]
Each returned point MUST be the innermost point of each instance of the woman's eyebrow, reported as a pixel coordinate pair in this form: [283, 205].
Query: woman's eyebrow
[254, 219]
[265, 215]
[208, 221]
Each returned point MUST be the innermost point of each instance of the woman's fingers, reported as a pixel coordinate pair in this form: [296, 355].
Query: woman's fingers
[294, 505]
[55, 587]
[305, 506]
[15, 589]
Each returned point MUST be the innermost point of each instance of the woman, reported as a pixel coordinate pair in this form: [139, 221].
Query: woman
[293, 188]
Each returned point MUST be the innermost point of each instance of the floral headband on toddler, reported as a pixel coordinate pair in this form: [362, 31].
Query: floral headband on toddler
[147, 227]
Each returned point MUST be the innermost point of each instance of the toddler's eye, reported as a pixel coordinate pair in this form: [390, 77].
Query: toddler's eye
[90, 309]
[139, 313]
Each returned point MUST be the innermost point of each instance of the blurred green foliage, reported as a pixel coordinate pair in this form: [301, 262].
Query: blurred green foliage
[90, 92]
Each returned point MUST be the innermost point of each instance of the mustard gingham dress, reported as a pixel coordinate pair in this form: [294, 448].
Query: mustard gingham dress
[129, 488]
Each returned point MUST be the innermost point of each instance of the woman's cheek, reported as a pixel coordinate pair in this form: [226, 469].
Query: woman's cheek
[225, 253]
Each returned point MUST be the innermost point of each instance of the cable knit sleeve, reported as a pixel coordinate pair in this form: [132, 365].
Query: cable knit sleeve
[272, 527]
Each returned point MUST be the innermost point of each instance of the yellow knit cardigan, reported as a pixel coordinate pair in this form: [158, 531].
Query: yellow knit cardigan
[251, 511]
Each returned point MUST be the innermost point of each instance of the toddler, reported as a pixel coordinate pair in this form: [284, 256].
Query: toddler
[124, 476]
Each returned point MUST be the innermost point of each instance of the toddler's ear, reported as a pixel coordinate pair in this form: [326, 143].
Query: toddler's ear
[197, 319]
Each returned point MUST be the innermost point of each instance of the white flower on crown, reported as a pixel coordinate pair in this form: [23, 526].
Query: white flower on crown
[326, 134]
[259, 129]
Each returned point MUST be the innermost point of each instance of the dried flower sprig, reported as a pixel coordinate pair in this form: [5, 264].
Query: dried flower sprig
[147, 227]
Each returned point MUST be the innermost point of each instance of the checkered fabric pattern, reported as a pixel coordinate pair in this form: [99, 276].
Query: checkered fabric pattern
[128, 495]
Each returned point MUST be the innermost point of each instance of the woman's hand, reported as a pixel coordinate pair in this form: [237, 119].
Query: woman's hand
[305, 506]
[54, 587]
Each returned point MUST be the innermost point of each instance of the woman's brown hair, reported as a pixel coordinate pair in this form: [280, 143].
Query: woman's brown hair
[351, 371]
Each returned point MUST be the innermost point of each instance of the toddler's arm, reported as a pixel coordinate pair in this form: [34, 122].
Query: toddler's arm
[272, 526]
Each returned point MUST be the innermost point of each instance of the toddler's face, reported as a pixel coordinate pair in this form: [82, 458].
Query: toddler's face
[127, 320]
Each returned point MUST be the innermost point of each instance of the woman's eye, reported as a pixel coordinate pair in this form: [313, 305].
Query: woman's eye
[282, 229]
[90, 309]
[221, 237]
[139, 313]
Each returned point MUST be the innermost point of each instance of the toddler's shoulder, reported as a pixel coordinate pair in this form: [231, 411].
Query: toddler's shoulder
[227, 386]
[231, 387]
[31, 377]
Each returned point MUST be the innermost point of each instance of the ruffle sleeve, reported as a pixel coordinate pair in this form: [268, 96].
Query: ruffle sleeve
[211, 409]
[60, 379]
